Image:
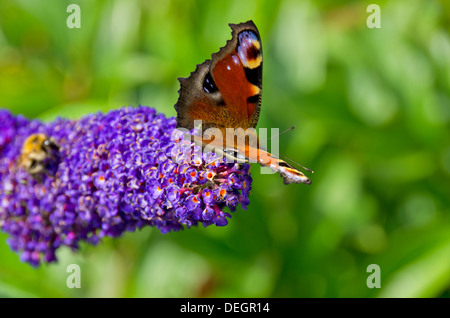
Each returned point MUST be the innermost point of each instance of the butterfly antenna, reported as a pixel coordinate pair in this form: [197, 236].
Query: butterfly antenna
[286, 158]
[292, 161]
[283, 132]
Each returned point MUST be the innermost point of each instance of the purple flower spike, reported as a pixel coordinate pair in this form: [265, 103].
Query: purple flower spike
[115, 172]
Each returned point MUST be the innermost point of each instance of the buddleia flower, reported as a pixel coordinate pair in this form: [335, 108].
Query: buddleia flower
[115, 172]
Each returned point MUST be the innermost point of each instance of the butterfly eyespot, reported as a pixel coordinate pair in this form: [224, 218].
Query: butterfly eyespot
[208, 84]
[250, 42]
[249, 50]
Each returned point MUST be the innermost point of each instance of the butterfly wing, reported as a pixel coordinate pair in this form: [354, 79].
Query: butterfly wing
[226, 90]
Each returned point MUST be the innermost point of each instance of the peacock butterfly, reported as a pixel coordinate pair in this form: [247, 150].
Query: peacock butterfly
[224, 95]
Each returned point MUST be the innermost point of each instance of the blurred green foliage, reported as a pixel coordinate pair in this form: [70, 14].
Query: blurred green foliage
[371, 109]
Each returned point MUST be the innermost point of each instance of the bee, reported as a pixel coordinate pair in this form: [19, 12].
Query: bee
[39, 155]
